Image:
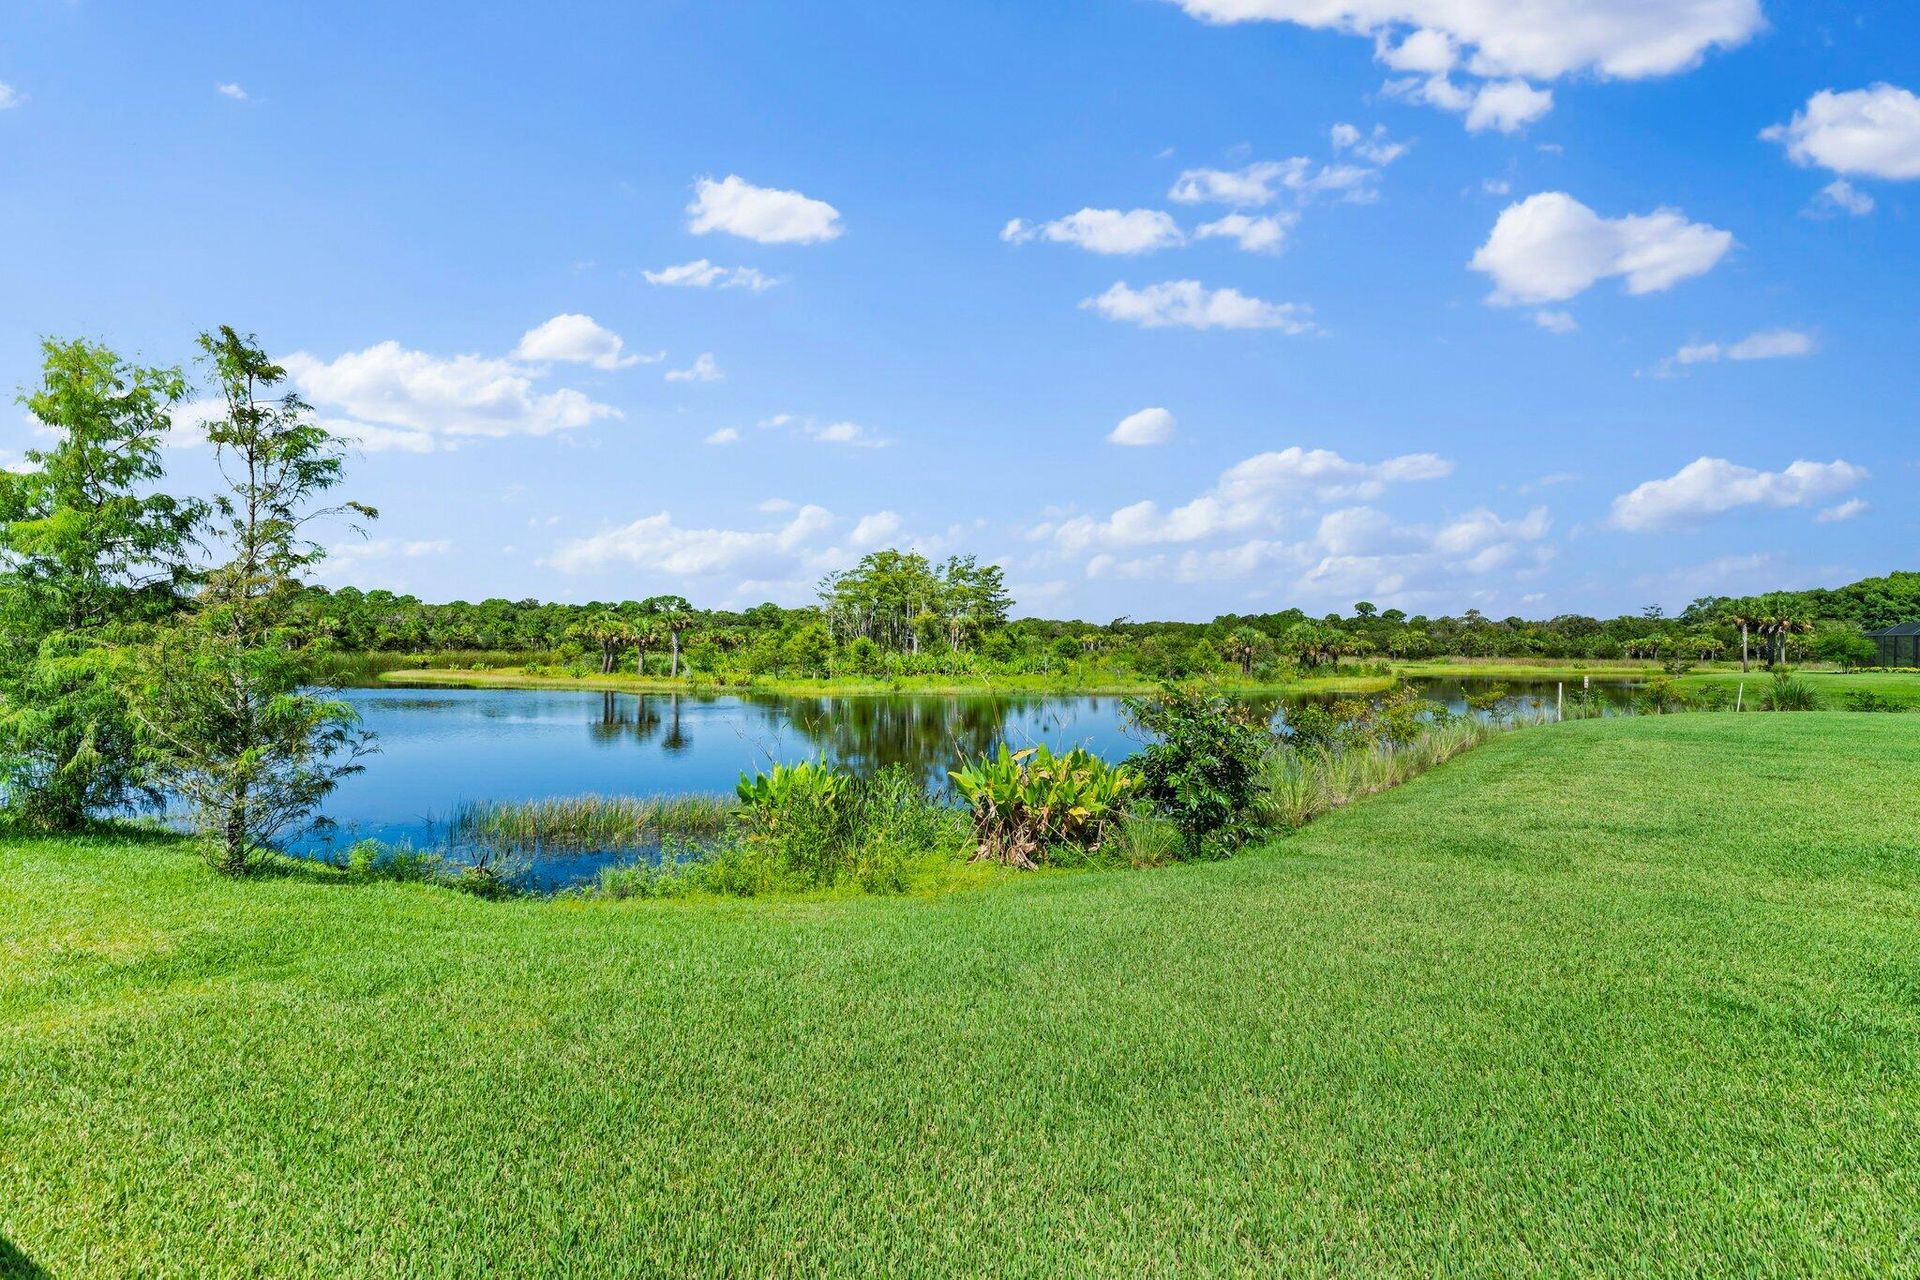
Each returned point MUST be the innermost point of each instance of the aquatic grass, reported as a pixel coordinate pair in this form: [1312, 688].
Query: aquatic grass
[1301, 783]
[587, 823]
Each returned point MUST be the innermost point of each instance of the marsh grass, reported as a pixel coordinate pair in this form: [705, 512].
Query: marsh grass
[1301, 783]
[587, 823]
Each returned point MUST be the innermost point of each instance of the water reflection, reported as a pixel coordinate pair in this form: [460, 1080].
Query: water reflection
[442, 747]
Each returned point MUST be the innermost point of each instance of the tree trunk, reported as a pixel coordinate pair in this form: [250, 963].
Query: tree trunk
[674, 671]
[640, 660]
[1743, 648]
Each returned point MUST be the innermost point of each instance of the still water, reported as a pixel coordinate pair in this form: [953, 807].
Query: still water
[439, 747]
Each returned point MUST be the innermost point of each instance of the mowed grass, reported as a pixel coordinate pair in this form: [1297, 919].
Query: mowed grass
[1627, 997]
[1833, 688]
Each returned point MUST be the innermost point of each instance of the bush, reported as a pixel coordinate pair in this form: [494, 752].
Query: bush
[812, 826]
[1787, 693]
[1028, 803]
[1202, 773]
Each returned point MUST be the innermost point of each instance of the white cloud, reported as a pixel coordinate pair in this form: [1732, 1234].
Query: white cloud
[1544, 39]
[1506, 105]
[230, 90]
[725, 435]
[657, 545]
[9, 96]
[1874, 132]
[1550, 247]
[1188, 304]
[1263, 182]
[1849, 199]
[1496, 186]
[1148, 426]
[394, 396]
[1375, 147]
[703, 274]
[1767, 344]
[770, 216]
[1103, 231]
[1560, 322]
[1260, 491]
[576, 339]
[1844, 511]
[703, 369]
[1264, 234]
[1709, 486]
[871, 531]
[848, 433]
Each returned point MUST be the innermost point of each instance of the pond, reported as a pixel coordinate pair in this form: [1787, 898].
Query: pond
[440, 747]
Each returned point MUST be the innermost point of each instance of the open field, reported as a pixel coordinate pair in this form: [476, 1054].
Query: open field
[1609, 997]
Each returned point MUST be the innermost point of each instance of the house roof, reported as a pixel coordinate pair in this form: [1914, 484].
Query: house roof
[1898, 629]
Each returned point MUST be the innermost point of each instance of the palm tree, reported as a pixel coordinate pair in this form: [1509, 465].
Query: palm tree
[1744, 619]
[675, 622]
[1243, 645]
[642, 637]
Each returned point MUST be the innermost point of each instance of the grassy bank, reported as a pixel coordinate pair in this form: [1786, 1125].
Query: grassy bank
[1556, 1007]
[855, 686]
[1836, 690]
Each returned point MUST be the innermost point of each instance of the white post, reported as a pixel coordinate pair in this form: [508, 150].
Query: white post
[1739, 695]
[1560, 701]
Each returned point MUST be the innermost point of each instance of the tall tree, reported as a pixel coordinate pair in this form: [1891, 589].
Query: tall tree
[88, 551]
[223, 716]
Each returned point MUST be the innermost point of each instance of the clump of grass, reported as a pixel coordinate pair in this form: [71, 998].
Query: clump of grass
[1301, 783]
[587, 823]
[488, 874]
[1787, 693]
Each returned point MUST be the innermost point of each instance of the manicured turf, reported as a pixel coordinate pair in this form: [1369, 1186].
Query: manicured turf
[1611, 997]
[1833, 688]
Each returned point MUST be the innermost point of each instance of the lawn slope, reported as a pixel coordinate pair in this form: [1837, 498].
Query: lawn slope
[1625, 997]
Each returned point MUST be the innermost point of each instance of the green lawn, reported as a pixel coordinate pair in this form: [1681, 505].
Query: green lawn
[1899, 688]
[1610, 997]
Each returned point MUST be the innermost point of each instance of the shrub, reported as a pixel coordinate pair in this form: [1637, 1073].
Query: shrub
[1026, 803]
[1787, 693]
[1202, 773]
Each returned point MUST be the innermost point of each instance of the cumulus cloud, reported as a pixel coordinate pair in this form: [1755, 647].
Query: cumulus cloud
[1263, 234]
[871, 531]
[703, 274]
[1107, 231]
[1264, 181]
[577, 339]
[1872, 132]
[725, 435]
[1550, 247]
[1260, 491]
[1505, 105]
[656, 544]
[1375, 147]
[1767, 344]
[1847, 198]
[10, 96]
[840, 432]
[230, 90]
[1188, 304]
[765, 214]
[1709, 486]
[703, 369]
[1148, 426]
[1560, 322]
[1844, 511]
[1543, 39]
[388, 396]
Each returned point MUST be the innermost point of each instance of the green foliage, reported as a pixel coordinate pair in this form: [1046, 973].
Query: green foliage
[224, 722]
[1399, 717]
[89, 553]
[811, 826]
[1787, 693]
[1028, 803]
[1201, 771]
[787, 787]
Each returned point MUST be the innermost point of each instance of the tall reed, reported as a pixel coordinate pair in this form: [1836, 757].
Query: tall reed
[587, 823]
[1300, 784]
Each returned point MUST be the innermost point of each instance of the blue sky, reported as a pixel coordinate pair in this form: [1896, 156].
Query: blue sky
[1535, 307]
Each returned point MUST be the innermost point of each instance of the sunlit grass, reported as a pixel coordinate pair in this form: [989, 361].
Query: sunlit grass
[1617, 997]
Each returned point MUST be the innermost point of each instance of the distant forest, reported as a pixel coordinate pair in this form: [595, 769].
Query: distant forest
[898, 613]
